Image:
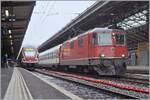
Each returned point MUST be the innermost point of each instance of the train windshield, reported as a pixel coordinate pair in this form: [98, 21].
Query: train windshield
[104, 39]
[120, 39]
[30, 53]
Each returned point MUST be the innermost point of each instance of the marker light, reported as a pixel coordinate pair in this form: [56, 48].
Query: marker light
[123, 55]
[102, 55]
[7, 13]
[113, 34]
[11, 43]
[9, 31]
[10, 36]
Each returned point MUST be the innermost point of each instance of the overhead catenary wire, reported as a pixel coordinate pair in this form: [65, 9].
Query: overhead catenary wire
[44, 16]
[44, 13]
[50, 8]
[37, 25]
[42, 9]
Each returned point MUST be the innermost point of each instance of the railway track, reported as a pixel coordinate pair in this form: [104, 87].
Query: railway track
[80, 90]
[117, 87]
[128, 79]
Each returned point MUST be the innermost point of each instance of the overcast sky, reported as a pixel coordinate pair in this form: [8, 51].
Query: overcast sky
[49, 17]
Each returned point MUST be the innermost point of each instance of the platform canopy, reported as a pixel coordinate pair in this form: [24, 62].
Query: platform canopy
[131, 16]
[15, 17]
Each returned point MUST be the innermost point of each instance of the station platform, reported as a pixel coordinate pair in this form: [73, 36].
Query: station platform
[6, 74]
[138, 69]
[20, 84]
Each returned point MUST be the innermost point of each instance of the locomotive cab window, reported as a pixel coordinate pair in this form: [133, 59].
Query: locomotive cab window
[120, 39]
[104, 39]
[30, 53]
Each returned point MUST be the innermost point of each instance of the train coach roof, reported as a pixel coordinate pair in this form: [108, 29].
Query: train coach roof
[51, 49]
[89, 31]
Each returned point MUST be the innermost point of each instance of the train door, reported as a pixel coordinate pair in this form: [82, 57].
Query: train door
[91, 41]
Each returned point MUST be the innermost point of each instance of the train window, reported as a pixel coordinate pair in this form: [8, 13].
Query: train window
[49, 55]
[94, 39]
[64, 45]
[80, 42]
[54, 54]
[104, 39]
[29, 53]
[72, 44]
[120, 39]
[45, 56]
[57, 53]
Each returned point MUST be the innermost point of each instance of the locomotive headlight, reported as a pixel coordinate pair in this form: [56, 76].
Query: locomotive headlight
[113, 34]
[123, 55]
[102, 55]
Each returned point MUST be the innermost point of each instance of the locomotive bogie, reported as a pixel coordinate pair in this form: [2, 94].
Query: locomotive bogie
[113, 66]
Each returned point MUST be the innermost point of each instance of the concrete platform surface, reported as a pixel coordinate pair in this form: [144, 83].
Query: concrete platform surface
[17, 89]
[39, 89]
[6, 74]
[138, 67]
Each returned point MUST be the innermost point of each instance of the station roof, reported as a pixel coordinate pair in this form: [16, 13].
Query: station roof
[15, 17]
[111, 14]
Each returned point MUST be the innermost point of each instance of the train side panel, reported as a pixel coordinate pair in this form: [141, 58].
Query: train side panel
[75, 52]
[50, 57]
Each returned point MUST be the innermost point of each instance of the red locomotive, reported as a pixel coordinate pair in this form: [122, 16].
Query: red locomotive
[99, 49]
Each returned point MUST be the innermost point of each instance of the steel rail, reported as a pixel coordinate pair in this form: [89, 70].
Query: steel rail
[91, 83]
